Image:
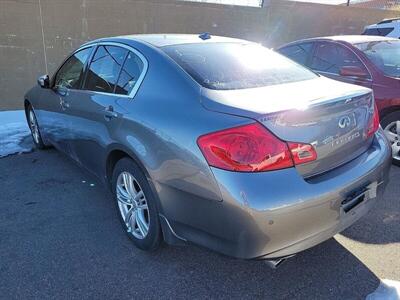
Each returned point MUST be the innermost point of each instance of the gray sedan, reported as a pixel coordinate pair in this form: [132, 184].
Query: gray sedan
[215, 141]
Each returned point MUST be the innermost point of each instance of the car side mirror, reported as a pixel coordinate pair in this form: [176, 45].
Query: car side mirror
[44, 81]
[353, 71]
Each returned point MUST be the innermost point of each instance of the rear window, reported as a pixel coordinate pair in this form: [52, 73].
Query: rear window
[378, 31]
[229, 66]
[385, 55]
[299, 53]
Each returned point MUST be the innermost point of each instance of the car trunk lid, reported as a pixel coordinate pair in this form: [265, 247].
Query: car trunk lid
[330, 115]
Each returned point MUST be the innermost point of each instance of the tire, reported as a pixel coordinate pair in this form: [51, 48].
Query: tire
[389, 126]
[34, 127]
[134, 217]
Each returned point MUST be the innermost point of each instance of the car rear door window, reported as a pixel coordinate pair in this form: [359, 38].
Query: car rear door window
[130, 73]
[299, 53]
[331, 57]
[70, 75]
[385, 55]
[378, 31]
[105, 68]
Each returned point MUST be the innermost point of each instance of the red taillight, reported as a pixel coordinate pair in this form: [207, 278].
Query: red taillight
[373, 125]
[249, 148]
[302, 153]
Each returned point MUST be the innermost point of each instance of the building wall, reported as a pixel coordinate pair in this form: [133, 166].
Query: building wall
[290, 20]
[35, 35]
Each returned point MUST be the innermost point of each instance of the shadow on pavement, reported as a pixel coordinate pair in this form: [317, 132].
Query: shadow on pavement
[60, 238]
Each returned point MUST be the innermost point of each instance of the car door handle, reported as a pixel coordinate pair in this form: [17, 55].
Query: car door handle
[64, 104]
[60, 90]
[109, 113]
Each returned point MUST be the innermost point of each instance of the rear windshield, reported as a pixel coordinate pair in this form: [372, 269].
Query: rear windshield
[385, 55]
[230, 66]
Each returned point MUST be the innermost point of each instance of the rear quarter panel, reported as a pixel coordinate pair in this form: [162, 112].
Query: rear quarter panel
[161, 126]
[387, 95]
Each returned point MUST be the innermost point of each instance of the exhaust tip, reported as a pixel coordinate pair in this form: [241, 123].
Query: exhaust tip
[275, 263]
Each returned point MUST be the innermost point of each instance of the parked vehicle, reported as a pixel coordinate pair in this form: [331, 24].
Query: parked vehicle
[387, 27]
[216, 141]
[369, 61]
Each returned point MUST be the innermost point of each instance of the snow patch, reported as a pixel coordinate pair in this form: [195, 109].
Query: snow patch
[387, 290]
[14, 133]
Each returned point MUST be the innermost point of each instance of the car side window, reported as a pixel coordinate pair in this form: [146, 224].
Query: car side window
[378, 31]
[105, 68]
[331, 57]
[299, 53]
[70, 75]
[130, 73]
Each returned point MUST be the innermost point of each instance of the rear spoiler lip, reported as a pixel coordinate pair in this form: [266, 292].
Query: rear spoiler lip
[333, 101]
[221, 101]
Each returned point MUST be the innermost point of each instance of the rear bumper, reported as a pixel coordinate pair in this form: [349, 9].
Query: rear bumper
[275, 214]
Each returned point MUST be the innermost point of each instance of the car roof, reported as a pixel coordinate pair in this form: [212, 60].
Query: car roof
[386, 21]
[161, 40]
[351, 39]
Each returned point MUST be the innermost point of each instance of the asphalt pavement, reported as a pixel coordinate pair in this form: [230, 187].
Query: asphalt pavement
[60, 238]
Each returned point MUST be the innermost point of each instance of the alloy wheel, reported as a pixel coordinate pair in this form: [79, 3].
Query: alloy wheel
[34, 127]
[132, 205]
[392, 132]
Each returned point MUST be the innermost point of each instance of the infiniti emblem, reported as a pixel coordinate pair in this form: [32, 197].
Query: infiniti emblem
[344, 122]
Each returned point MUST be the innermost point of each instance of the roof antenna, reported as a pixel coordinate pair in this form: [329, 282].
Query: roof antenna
[205, 36]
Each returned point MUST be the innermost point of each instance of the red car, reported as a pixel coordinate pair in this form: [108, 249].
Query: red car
[370, 61]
